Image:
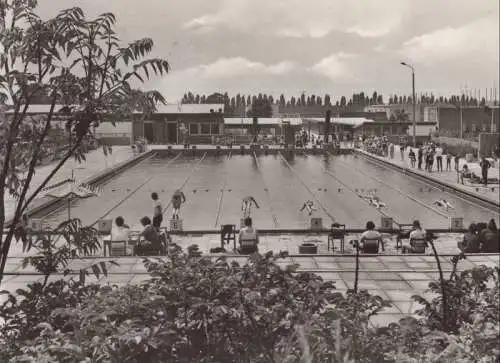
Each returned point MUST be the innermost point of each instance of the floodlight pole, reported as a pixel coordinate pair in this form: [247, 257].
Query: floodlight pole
[414, 102]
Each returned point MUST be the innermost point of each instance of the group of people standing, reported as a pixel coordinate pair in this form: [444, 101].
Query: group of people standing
[428, 154]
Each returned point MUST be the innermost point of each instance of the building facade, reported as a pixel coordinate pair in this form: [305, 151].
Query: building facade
[379, 109]
[468, 122]
[177, 124]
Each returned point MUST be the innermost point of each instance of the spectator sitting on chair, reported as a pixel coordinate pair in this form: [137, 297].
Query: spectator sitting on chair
[248, 238]
[465, 173]
[152, 242]
[470, 243]
[121, 232]
[371, 234]
[488, 238]
[417, 234]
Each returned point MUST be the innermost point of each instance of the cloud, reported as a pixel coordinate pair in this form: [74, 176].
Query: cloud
[477, 39]
[305, 19]
[203, 23]
[335, 67]
[238, 66]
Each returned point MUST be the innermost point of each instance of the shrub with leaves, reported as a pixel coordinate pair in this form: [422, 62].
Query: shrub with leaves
[198, 309]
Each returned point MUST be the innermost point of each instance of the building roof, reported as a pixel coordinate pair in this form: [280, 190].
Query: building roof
[188, 108]
[262, 120]
[350, 121]
[169, 108]
[34, 109]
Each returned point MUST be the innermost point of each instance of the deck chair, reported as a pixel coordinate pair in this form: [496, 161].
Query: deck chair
[418, 245]
[371, 245]
[248, 246]
[228, 234]
[117, 248]
[337, 232]
[403, 233]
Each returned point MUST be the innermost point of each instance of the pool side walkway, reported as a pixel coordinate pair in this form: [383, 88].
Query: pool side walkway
[95, 163]
[448, 177]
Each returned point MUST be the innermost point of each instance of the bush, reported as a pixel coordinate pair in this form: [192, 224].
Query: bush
[194, 309]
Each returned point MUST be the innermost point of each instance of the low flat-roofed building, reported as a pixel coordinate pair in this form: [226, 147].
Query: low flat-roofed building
[197, 123]
[239, 129]
[178, 123]
[342, 126]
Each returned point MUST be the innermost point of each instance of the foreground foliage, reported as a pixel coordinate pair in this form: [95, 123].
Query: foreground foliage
[192, 309]
[85, 75]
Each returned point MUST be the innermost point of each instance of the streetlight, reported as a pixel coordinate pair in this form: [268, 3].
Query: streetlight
[413, 99]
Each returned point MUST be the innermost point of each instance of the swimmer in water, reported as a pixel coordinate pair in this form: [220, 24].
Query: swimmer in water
[443, 203]
[376, 202]
[177, 199]
[246, 205]
[309, 205]
[373, 200]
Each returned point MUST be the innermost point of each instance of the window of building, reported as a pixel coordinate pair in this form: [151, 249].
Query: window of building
[215, 129]
[205, 129]
[193, 129]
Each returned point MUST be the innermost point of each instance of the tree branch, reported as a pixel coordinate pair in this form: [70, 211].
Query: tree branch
[31, 168]
[105, 70]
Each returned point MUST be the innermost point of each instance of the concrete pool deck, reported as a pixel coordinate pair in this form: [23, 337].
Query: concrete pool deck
[96, 162]
[446, 243]
[491, 192]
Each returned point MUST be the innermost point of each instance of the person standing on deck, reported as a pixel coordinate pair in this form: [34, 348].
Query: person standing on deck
[485, 165]
[448, 161]
[157, 211]
[246, 205]
[439, 158]
[177, 199]
[420, 156]
[457, 162]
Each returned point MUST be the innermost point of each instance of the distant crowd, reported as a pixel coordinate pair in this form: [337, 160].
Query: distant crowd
[427, 156]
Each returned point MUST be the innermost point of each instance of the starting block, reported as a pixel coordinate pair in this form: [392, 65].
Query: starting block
[316, 224]
[386, 223]
[456, 223]
[175, 225]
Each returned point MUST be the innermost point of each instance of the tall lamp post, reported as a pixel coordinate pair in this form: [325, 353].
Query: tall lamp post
[414, 101]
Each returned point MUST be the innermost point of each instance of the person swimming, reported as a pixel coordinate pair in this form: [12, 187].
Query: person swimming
[177, 199]
[443, 203]
[309, 206]
[376, 202]
[373, 200]
[246, 205]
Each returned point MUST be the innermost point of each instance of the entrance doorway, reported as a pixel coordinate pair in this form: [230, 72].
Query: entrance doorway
[149, 132]
[172, 132]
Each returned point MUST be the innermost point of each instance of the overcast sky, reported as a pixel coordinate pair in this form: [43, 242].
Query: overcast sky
[317, 46]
